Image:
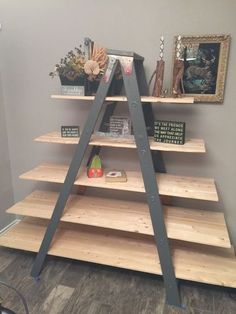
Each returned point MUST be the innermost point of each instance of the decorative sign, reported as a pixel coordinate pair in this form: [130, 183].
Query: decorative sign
[120, 125]
[72, 90]
[169, 132]
[69, 131]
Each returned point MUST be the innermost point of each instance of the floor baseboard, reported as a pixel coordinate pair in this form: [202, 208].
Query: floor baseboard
[10, 225]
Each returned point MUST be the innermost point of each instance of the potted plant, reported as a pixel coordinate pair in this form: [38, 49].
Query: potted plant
[71, 71]
[81, 73]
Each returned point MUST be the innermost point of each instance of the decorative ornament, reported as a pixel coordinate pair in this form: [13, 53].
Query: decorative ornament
[95, 169]
[91, 68]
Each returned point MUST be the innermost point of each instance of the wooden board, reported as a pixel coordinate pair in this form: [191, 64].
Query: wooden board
[185, 224]
[125, 250]
[171, 185]
[190, 146]
[182, 100]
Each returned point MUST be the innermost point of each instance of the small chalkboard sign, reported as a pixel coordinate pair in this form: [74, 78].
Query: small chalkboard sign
[171, 132]
[69, 131]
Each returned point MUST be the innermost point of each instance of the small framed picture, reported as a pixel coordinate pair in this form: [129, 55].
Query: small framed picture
[120, 125]
[205, 65]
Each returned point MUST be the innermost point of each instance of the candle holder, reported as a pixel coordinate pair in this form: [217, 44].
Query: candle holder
[158, 74]
[178, 70]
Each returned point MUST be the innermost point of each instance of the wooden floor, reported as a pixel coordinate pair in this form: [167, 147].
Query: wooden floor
[75, 287]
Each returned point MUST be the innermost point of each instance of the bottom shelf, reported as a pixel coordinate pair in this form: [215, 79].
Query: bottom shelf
[125, 250]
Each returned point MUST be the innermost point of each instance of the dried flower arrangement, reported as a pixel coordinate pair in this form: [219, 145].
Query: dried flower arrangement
[75, 65]
[95, 67]
[72, 66]
[81, 70]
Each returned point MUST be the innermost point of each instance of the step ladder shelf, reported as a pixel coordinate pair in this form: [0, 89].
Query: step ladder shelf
[147, 99]
[197, 226]
[190, 146]
[171, 185]
[124, 233]
[125, 250]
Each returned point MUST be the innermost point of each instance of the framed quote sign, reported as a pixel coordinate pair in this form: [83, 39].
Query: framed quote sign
[171, 132]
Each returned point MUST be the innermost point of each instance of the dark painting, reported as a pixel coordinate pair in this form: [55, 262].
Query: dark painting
[201, 68]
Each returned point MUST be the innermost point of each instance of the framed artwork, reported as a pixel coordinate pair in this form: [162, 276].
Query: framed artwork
[205, 64]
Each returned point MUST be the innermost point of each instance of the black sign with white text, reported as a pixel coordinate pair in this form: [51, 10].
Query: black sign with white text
[69, 131]
[171, 132]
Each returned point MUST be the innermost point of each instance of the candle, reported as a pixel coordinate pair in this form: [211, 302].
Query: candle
[178, 47]
[161, 47]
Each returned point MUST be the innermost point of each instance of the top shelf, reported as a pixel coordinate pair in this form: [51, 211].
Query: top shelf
[182, 100]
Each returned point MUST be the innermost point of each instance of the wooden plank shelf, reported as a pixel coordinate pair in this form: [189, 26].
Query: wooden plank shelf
[198, 226]
[181, 100]
[171, 185]
[125, 250]
[190, 146]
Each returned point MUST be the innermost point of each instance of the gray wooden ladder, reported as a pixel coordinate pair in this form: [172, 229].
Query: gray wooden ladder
[142, 120]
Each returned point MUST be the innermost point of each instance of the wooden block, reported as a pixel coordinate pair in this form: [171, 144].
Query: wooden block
[115, 176]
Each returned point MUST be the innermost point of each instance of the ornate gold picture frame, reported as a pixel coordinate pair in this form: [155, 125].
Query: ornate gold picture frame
[205, 65]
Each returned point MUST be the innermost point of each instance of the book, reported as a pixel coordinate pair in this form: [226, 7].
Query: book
[116, 176]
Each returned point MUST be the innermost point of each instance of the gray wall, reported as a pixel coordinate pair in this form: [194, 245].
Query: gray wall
[6, 190]
[37, 33]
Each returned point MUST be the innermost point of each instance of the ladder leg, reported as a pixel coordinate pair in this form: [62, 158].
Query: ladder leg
[104, 127]
[74, 166]
[157, 156]
[149, 178]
